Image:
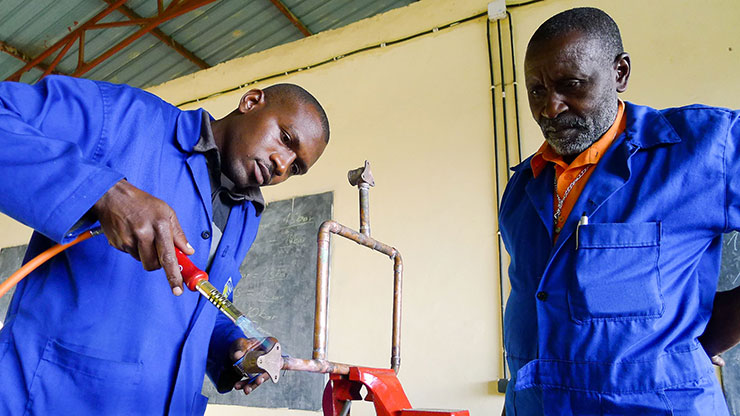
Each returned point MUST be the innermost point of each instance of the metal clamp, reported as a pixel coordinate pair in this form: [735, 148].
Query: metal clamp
[255, 362]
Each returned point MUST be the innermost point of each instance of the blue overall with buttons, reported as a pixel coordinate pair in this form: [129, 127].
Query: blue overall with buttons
[91, 332]
[605, 320]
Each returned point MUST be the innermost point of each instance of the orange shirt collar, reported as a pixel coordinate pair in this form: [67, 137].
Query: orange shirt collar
[592, 155]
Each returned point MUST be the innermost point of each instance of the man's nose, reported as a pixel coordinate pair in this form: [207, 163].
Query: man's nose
[282, 161]
[554, 106]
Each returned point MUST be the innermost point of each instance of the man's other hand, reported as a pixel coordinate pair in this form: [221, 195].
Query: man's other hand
[145, 227]
[723, 329]
[238, 349]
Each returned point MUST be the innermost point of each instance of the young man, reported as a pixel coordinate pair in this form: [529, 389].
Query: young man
[614, 228]
[95, 330]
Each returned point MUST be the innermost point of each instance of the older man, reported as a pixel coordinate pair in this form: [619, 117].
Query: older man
[614, 229]
[95, 330]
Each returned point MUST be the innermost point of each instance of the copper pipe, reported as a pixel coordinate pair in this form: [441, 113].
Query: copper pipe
[396, 334]
[364, 209]
[322, 286]
[314, 366]
[322, 292]
[363, 179]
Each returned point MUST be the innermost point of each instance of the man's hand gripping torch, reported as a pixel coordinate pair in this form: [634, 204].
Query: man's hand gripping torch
[268, 361]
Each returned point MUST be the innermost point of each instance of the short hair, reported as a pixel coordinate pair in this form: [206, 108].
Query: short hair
[291, 92]
[590, 21]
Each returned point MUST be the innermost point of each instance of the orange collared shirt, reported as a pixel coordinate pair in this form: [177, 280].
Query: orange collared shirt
[566, 173]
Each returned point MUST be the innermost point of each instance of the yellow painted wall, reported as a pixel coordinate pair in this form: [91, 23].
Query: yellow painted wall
[420, 111]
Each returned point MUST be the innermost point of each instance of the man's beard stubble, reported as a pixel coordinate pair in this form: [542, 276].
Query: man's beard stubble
[587, 130]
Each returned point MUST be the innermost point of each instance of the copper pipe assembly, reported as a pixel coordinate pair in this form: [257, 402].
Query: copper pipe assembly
[270, 361]
[363, 179]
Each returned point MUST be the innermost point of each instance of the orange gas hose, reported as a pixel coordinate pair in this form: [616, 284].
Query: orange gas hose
[41, 259]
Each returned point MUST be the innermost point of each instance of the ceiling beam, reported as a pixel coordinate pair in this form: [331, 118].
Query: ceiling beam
[293, 19]
[167, 40]
[20, 55]
[69, 38]
[170, 12]
[174, 9]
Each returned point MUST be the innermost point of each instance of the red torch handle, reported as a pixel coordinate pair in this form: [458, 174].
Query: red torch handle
[191, 275]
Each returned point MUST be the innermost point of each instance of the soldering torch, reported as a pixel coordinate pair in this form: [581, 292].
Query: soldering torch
[253, 362]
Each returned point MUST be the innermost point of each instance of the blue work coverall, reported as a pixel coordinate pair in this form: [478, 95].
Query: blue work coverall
[91, 332]
[605, 320]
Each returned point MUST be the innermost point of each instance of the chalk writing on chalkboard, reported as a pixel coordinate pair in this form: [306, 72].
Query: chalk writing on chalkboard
[730, 273]
[729, 278]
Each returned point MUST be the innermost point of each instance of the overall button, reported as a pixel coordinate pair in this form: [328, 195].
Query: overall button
[205, 235]
[542, 296]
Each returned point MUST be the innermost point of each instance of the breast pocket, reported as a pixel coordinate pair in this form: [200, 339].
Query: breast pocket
[617, 274]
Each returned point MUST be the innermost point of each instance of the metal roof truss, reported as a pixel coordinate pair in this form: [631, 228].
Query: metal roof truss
[147, 25]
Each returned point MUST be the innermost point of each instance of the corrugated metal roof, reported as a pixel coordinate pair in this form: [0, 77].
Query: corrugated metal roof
[217, 32]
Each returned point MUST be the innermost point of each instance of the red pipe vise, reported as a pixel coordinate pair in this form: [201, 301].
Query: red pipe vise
[383, 389]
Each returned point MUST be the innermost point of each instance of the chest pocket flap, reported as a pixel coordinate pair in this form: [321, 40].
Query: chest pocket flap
[617, 275]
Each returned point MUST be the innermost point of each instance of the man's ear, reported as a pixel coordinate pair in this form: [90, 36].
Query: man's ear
[622, 66]
[250, 100]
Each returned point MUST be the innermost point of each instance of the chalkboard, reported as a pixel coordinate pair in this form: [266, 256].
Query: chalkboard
[277, 291]
[10, 260]
[729, 278]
